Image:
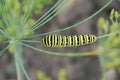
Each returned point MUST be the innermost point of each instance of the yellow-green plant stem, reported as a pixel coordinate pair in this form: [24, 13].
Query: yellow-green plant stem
[106, 35]
[18, 70]
[31, 41]
[2, 51]
[58, 53]
[19, 61]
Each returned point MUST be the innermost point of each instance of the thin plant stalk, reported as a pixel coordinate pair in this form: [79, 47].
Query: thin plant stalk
[19, 61]
[3, 51]
[58, 53]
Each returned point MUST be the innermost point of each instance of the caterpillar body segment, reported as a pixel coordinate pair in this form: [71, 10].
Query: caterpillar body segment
[67, 41]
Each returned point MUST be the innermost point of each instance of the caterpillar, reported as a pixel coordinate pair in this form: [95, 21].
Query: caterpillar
[67, 41]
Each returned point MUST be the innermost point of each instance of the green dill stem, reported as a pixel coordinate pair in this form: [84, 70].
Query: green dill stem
[2, 51]
[50, 16]
[19, 61]
[57, 53]
[32, 41]
[40, 20]
[75, 25]
[5, 35]
[106, 35]
[19, 72]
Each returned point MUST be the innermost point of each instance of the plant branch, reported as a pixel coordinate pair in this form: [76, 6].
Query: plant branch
[58, 53]
[19, 62]
[2, 51]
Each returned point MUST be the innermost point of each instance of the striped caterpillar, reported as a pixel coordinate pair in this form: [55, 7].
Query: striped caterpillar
[67, 41]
